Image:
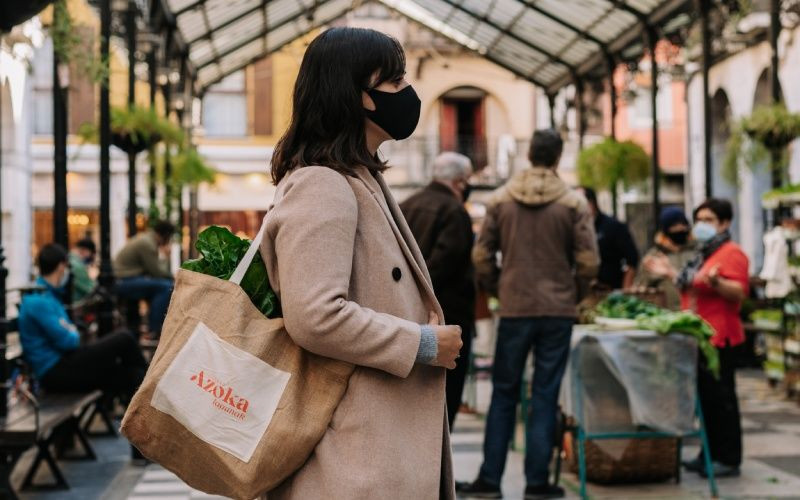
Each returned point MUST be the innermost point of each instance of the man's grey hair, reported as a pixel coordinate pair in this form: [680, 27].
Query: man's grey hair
[450, 165]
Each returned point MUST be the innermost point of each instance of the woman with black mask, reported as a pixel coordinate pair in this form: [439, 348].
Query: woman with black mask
[671, 240]
[351, 280]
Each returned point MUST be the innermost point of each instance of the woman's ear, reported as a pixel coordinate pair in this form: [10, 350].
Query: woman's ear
[367, 101]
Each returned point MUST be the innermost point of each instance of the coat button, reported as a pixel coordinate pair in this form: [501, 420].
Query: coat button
[396, 274]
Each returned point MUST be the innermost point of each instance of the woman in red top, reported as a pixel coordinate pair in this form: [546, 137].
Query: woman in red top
[713, 285]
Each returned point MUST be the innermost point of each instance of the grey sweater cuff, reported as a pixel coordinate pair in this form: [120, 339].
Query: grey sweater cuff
[428, 345]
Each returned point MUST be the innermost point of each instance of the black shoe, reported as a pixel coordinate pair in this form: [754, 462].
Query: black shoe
[722, 470]
[543, 492]
[478, 489]
[695, 465]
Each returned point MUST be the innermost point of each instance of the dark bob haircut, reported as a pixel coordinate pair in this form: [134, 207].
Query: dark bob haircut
[721, 207]
[327, 126]
[546, 147]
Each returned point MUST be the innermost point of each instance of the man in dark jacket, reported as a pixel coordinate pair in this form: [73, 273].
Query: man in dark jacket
[619, 257]
[443, 230]
[544, 232]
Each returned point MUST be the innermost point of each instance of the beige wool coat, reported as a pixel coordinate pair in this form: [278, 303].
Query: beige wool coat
[354, 287]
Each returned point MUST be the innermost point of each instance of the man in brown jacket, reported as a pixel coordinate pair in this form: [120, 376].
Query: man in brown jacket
[544, 233]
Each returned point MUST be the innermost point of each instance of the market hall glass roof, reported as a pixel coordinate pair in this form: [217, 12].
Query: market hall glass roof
[548, 42]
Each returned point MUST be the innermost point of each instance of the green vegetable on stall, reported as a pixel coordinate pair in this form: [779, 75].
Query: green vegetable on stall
[651, 317]
[220, 251]
[619, 305]
[687, 323]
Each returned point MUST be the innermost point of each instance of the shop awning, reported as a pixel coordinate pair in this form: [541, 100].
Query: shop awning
[548, 42]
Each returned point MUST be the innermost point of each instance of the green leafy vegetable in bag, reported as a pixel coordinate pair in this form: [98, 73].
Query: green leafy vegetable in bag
[220, 252]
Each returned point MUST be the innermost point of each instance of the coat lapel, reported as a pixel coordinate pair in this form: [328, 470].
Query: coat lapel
[405, 238]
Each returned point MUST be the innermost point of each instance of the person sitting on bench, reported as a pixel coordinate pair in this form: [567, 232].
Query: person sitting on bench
[80, 258]
[51, 343]
[142, 275]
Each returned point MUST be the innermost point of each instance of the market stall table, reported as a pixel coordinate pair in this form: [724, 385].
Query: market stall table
[632, 384]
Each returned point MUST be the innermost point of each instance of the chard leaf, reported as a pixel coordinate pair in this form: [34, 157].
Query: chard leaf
[220, 252]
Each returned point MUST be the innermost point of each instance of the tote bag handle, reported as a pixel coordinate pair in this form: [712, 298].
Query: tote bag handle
[244, 264]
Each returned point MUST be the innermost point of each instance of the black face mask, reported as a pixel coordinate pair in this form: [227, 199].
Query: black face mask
[679, 237]
[395, 112]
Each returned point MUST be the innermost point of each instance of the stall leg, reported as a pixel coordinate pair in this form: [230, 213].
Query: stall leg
[712, 483]
[582, 462]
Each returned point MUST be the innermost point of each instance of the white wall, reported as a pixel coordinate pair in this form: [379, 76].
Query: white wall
[15, 92]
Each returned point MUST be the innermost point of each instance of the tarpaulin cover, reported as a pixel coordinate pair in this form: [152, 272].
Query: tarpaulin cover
[619, 381]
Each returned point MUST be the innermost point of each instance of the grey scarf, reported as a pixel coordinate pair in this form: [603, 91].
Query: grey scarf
[689, 271]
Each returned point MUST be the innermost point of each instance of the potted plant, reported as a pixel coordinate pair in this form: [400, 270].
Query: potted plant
[135, 129]
[73, 45]
[760, 137]
[609, 163]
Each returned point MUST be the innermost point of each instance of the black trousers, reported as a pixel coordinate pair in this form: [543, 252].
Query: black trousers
[113, 364]
[454, 382]
[721, 408]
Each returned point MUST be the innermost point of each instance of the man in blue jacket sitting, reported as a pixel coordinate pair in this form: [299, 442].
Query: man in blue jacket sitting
[51, 343]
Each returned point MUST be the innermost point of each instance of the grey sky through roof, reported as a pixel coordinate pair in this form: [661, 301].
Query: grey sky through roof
[548, 42]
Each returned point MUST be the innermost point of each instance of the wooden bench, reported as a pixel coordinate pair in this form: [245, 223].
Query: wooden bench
[37, 422]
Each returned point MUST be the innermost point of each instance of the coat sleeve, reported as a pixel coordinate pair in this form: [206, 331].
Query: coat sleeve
[453, 243]
[313, 228]
[484, 254]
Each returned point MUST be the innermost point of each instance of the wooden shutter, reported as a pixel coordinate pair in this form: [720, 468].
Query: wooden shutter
[262, 101]
[447, 125]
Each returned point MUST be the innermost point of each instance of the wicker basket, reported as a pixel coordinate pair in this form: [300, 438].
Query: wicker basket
[644, 460]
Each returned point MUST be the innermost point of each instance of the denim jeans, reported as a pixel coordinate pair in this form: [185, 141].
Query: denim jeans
[549, 338]
[156, 291]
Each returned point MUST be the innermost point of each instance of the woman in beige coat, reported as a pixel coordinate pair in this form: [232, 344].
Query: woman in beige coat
[351, 280]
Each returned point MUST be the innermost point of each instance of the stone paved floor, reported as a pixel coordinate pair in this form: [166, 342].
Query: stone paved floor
[771, 468]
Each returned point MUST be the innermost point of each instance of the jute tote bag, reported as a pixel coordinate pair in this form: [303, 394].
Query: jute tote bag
[230, 404]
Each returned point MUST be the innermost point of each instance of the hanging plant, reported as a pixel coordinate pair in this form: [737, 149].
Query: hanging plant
[785, 194]
[189, 168]
[71, 48]
[135, 129]
[760, 138]
[608, 163]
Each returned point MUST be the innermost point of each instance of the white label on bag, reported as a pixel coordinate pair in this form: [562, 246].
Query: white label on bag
[220, 393]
